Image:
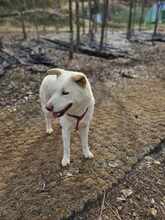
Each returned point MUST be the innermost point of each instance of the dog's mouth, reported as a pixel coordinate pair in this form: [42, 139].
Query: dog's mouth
[62, 112]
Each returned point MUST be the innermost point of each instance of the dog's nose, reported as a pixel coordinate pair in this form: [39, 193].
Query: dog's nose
[49, 107]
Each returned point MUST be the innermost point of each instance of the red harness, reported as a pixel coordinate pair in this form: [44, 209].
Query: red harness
[79, 118]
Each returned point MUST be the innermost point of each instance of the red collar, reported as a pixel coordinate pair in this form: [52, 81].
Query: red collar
[79, 118]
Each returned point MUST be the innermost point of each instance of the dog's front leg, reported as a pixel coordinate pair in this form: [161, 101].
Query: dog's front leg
[66, 145]
[49, 128]
[84, 142]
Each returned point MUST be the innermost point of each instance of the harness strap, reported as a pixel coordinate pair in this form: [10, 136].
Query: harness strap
[79, 118]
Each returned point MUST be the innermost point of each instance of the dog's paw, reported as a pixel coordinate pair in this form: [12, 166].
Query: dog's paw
[65, 162]
[88, 155]
[49, 131]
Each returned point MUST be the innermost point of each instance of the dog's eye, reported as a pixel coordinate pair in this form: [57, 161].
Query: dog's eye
[64, 92]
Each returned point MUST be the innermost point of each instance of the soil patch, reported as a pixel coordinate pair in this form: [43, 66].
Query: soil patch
[33, 184]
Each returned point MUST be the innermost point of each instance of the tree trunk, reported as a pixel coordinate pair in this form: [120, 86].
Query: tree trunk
[36, 27]
[23, 26]
[104, 20]
[83, 15]
[58, 4]
[1, 43]
[157, 18]
[134, 15]
[23, 21]
[142, 15]
[129, 30]
[77, 24]
[36, 20]
[96, 3]
[90, 20]
[71, 29]
[44, 7]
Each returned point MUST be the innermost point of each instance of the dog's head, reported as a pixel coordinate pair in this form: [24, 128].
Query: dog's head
[71, 90]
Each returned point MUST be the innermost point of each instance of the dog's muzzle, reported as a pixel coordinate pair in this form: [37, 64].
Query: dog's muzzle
[62, 112]
[49, 108]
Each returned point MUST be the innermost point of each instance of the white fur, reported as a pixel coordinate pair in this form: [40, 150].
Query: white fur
[81, 98]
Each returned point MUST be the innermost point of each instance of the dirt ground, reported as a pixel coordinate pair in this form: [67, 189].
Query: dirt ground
[128, 124]
[140, 196]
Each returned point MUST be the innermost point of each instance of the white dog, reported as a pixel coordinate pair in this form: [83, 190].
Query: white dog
[68, 95]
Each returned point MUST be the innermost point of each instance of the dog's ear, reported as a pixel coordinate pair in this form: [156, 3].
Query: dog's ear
[55, 71]
[80, 80]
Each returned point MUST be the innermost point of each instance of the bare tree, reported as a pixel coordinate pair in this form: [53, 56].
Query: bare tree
[44, 7]
[58, 4]
[157, 17]
[22, 18]
[104, 21]
[1, 43]
[83, 13]
[90, 18]
[142, 15]
[96, 5]
[35, 20]
[134, 15]
[71, 29]
[77, 24]
[129, 30]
